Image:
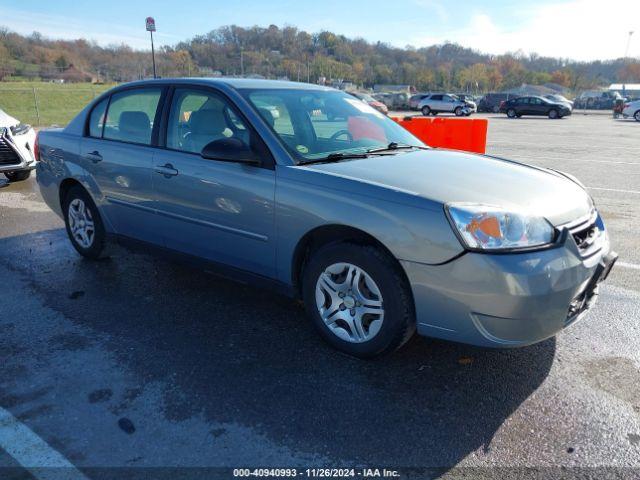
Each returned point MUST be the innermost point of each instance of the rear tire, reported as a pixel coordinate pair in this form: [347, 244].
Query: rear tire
[426, 110]
[346, 327]
[84, 224]
[511, 113]
[496, 109]
[553, 114]
[637, 116]
[18, 176]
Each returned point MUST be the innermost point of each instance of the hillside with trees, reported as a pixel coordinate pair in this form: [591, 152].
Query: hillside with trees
[288, 52]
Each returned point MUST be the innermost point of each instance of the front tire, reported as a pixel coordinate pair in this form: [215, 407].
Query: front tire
[358, 299]
[458, 112]
[511, 113]
[426, 110]
[18, 176]
[553, 114]
[83, 223]
[637, 116]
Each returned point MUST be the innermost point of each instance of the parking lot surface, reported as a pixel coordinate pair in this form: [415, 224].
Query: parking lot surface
[135, 363]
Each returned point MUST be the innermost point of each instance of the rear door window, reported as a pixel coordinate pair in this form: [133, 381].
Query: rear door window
[131, 115]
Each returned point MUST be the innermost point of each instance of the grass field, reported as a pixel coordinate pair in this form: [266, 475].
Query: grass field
[44, 104]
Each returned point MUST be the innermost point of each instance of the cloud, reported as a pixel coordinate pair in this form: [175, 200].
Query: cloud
[577, 29]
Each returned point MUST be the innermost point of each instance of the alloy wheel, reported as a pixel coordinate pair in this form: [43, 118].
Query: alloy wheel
[81, 223]
[349, 302]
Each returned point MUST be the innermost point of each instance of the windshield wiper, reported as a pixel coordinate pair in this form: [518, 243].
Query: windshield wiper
[396, 146]
[335, 157]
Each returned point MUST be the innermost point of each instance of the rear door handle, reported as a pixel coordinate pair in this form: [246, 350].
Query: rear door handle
[94, 156]
[167, 170]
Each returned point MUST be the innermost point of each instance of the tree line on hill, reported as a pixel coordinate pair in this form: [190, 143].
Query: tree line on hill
[288, 52]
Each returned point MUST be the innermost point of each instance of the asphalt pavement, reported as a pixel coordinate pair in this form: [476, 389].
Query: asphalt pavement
[134, 367]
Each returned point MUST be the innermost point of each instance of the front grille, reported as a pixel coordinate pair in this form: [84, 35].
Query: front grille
[586, 234]
[8, 155]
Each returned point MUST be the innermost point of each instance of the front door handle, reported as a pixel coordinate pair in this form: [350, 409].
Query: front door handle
[167, 170]
[94, 156]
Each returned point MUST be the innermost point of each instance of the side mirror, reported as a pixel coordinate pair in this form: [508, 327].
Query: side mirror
[230, 150]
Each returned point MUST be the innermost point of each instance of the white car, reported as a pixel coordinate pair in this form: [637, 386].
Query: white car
[17, 143]
[632, 109]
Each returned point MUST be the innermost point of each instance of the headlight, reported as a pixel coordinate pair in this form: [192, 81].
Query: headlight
[483, 227]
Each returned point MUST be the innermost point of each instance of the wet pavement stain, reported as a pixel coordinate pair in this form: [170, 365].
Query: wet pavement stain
[126, 425]
[102, 395]
[617, 376]
[70, 341]
[75, 295]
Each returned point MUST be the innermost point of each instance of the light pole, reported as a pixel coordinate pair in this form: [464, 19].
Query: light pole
[626, 50]
[624, 62]
[151, 27]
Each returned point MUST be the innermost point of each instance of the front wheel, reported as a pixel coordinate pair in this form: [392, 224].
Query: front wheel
[426, 110]
[553, 114]
[511, 113]
[637, 116]
[358, 299]
[17, 176]
[83, 223]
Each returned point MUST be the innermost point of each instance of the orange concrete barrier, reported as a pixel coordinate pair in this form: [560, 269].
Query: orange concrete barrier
[468, 134]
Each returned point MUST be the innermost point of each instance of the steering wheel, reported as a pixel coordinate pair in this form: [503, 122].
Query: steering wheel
[339, 133]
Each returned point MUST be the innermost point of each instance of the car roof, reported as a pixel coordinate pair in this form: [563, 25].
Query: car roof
[237, 83]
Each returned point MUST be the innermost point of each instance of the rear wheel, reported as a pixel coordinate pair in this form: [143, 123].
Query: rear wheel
[17, 176]
[358, 299]
[426, 110]
[553, 114]
[637, 116]
[511, 113]
[83, 223]
[496, 109]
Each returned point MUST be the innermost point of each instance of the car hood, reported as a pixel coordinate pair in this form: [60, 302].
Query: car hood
[450, 176]
[7, 120]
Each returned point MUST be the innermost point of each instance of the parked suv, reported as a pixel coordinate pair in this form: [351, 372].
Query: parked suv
[491, 101]
[442, 102]
[414, 100]
[378, 234]
[632, 109]
[17, 157]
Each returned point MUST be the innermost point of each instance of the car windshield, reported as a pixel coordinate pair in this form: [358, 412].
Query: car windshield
[317, 124]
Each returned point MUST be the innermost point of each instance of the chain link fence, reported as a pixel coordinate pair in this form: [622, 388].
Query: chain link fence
[47, 105]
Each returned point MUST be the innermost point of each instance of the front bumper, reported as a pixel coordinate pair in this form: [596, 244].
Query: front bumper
[508, 300]
[16, 152]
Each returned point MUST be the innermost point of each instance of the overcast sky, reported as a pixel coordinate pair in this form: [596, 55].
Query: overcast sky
[578, 29]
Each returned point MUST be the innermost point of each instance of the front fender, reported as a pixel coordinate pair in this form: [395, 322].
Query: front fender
[414, 230]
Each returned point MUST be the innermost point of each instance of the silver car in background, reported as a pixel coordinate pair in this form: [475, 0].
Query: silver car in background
[446, 103]
[331, 202]
[17, 156]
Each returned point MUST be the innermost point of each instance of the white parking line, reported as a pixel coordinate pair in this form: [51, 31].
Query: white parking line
[614, 190]
[32, 452]
[633, 266]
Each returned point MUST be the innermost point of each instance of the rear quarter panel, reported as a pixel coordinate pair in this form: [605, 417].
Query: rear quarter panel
[60, 159]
